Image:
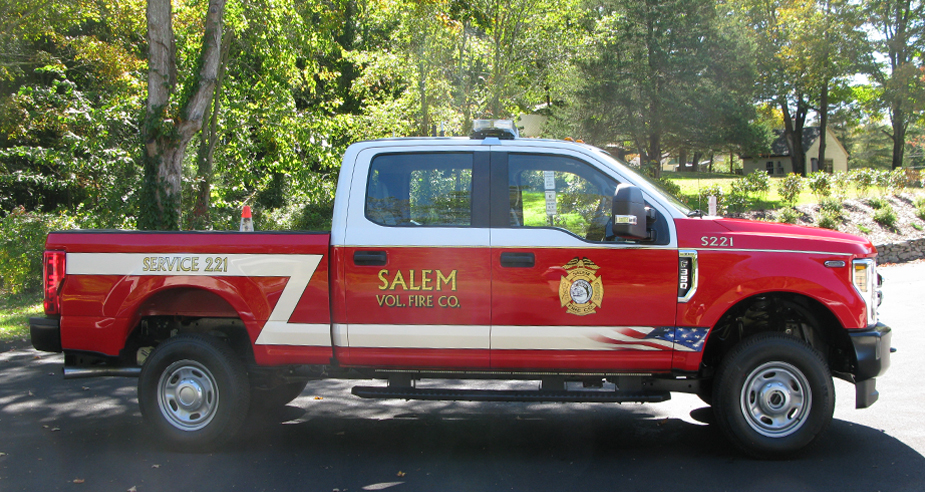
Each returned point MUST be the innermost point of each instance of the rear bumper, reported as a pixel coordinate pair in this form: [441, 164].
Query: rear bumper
[45, 334]
[872, 350]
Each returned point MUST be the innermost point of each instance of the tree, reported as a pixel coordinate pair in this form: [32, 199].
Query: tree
[172, 118]
[900, 28]
[662, 74]
[68, 108]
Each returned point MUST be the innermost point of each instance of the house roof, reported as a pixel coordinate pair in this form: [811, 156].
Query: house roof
[779, 146]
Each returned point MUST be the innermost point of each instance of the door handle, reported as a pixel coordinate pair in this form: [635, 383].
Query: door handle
[518, 260]
[370, 258]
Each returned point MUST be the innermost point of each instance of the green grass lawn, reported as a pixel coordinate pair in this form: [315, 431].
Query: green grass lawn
[15, 311]
[691, 183]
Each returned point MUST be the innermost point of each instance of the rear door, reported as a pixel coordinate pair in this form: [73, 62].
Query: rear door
[564, 297]
[416, 260]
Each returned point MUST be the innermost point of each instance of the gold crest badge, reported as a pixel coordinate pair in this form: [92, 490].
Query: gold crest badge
[581, 292]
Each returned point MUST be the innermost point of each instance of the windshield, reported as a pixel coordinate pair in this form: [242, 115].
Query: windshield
[652, 187]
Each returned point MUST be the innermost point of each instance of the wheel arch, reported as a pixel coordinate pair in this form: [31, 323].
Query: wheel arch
[184, 310]
[791, 313]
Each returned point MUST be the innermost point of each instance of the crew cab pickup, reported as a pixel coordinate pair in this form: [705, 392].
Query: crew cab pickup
[491, 257]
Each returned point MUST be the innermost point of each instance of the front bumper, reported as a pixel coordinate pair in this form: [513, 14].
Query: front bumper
[872, 351]
[45, 334]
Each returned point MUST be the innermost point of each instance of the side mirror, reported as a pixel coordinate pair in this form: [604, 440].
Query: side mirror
[629, 215]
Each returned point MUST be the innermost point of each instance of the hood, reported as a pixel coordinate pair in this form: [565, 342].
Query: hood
[757, 235]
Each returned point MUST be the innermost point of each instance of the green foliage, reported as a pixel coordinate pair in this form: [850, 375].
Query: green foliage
[886, 216]
[897, 180]
[667, 71]
[920, 207]
[878, 203]
[788, 215]
[828, 220]
[706, 192]
[790, 187]
[758, 182]
[863, 179]
[831, 205]
[863, 228]
[830, 213]
[917, 226]
[820, 183]
[669, 187]
[840, 181]
[15, 311]
[737, 198]
[22, 241]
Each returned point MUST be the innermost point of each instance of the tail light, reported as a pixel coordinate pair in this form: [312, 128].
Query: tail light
[53, 263]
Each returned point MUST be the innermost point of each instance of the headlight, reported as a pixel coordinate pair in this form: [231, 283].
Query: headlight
[864, 278]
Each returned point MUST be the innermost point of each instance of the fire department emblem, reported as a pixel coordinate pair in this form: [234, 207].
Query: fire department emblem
[581, 291]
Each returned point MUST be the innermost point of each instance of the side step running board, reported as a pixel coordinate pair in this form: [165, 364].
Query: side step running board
[510, 395]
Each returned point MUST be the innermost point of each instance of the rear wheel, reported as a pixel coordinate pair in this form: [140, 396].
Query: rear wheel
[773, 395]
[194, 390]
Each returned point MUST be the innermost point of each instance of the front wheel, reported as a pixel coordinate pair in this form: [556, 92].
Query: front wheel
[773, 395]
[194, 390]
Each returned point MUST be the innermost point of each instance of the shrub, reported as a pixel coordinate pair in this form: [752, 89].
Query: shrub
[737, 198]
[831, 206]
[758, 182]
[840, 183]
[920, 209]
[878, 203]
[669, 187]
[863, 179]
[820, 183]
[790, 187]
[703, 198]
[788, 215]
[896, 181]
[22, 241]
[882, 178]
[863, 228]
[885, 216]
[913, 178]
[828, 220]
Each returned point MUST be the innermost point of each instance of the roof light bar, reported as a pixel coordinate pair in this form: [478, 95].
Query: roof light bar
[502, 129]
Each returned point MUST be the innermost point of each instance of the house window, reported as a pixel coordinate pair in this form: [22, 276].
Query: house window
[780, 168]
[770, 168]
[829, 165]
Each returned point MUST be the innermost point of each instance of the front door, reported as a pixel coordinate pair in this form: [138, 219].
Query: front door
[564, 297]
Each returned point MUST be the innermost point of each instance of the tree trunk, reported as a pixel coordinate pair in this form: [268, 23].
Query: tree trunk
[823, 121]
[793, 131]
[655, 154]
[166, 135]
[898, 118]
[200, 218]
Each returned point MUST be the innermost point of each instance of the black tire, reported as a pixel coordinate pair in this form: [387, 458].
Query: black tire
[194, 391]
[279, 396]
[773, 396]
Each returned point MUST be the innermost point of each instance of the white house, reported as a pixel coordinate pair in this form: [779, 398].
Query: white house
[778, 162]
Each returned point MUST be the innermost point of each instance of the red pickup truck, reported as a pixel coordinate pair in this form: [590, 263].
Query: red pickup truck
[490, 257]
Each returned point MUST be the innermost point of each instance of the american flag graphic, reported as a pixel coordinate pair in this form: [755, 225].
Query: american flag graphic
[655, 338]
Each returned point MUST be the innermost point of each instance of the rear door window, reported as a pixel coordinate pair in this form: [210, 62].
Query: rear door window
[423, 189]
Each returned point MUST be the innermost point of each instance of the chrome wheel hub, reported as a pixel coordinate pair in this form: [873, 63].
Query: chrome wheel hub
[776, 399]
[187, 395]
